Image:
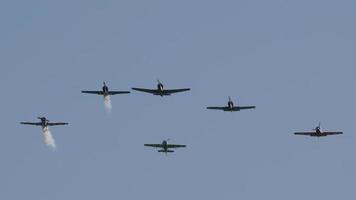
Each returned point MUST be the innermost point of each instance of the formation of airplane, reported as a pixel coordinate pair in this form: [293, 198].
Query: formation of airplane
[44, 123]
[165, 147]
[230, 107]
[160, 90]
[105, 91]
[317, 132]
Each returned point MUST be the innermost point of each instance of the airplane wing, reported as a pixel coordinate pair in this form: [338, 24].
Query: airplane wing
[93, 92]
[175, 90]
[146, 90]
[118, 92]
[175, 146]
[304, 133]
[154, 145]
[246, 107]
[217, 108]
[157, 92]
[333, 133]
[32, 123]
[57, 124]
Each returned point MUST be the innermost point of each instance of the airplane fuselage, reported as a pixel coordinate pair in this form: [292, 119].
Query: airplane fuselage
[160, 89]
[164, 146]
[230, 105]
[318, 133]
[44, 122]
[105, 90]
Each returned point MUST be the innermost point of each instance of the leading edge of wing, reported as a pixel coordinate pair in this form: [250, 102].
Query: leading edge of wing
[153, 145]
[332, 133]
[216, 108]
[304, 133]
[57, 124]
[176, 146]
[118, 92]
[32, 123]
[146, 90]
[246, 107]
[93, 92]
[176, 90]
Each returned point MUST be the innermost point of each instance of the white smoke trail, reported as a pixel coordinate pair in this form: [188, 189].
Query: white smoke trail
[107, 103]
[47, 137]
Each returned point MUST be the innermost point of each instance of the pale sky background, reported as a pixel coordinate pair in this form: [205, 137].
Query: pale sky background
[294, 60]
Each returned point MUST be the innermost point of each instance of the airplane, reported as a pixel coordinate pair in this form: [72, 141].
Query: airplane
[105, 91]
[44, 123]
[160, 90]
[165, 146]
[230, 107]
[317, 132]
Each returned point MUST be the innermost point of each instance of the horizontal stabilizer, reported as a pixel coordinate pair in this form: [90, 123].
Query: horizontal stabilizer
[168, 151]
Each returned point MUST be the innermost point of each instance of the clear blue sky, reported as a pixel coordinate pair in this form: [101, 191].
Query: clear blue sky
[294, 60]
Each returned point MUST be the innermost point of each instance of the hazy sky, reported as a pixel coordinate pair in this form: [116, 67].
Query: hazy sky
[294, 60]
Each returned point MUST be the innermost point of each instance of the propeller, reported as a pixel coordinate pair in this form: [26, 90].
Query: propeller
[318, 127]
[230, 103]
[43, 118]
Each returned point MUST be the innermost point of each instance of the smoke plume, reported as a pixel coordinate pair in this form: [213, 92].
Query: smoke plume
[48, 139]
[107, 103]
